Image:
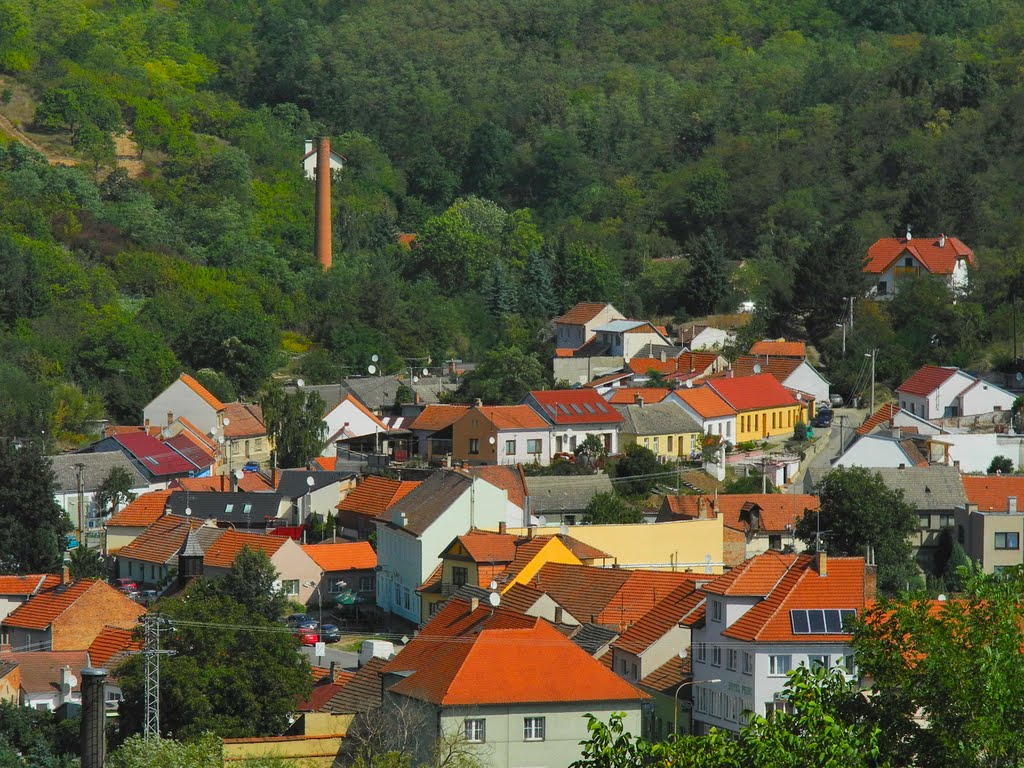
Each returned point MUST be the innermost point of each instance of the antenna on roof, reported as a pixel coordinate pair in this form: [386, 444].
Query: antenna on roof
[757, 367]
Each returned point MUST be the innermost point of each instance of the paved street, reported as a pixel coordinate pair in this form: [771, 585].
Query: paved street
[822, 461]
[345, 659]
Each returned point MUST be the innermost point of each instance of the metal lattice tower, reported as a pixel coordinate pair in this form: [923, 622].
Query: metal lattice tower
[151, 652]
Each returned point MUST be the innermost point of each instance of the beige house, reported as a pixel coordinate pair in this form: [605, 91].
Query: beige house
[298, 574]
[991, 525]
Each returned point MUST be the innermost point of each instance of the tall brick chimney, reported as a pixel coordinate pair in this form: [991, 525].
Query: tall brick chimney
[323, 202]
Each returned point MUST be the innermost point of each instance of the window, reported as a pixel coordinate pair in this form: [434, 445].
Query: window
[259, 444]
[623, 665]
[946, 520]
[924, 521]
[533, 729]
[730, 658]
[247, 449]
[778, 705]
[474, 445]
[850, 665]
[775, 541]
[656, 445]
[647, 442]
[748, 664]
[908, 262]
[780, 665]
[569, 519]
[405, 594]
[533, 446]
[510, 447]
[634, 672]
[702, 699]
[460, 576]
[476, 730]
[702, 653]
[365, 583]
[290, 587]
[668, 443]
[883, 287]
[818, 661]
[336, 585]
[1007, 540]
[716, 610]
[716, 655]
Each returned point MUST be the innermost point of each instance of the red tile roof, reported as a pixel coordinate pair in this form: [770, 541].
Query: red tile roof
[883, 415]
[531, 665]
[611, 377]
[628, 395]
[191, 448]
[487, 547]
[437, 417]
[520, 598]
[755, 576]
[663, 617]
[245, 420]
[779, 367]
[753, 392]
[375, 494]
[582, 550]
[326, 463]
[250, 482]
[27, 585]
[937, 260]
[990, 492]
[640, 593]
[322, 693]
[156, 456]
[111, 642]
[781, 348]
[669, 676]
[161, 540]
[42, 609]
[641, 366]
[575, 406]
[582, 313]
[197, 433]
[926, 380]
[706, 402]
[509, 478]
[777, 509]
[512, 417]
[202, 391]
[346, 556]
[222, 553]
[143, 511]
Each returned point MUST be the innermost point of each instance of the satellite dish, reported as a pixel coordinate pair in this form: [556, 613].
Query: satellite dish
[415, 379]
[564, 530]
[569, 433]
[942, 598]
[682, 653]
[494, 585]
[491, 440]
[689, 383]
[226, 421]
[374, 358]
[188, 511]
[239, 474]
[494, 599]
[300, 383]
[310, 481]
[757, 368]
[425, 371]
[372, 369]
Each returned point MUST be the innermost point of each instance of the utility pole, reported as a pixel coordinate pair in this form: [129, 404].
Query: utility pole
[872, 356]
[843, 326]
[79, 470]
[851, 312]
[842, 423]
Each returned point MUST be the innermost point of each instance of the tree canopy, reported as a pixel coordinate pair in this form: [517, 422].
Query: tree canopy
[33, 524]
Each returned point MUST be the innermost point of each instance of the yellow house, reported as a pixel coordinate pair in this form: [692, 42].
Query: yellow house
[764, 408]
[482, 557]
[664, 428]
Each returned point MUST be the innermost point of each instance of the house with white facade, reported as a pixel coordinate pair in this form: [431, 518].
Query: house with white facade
[883, 451]
[892, 419]
[349, 419]
[501, 434]
[696, 338]
[49, 679]
[187, 398]
[309, 160]
[576, 327]
[771, 614]
[573, 415]
[412, 532]
[80, 475]
[714, 415]
[942, 392]
[626, 338]
[892, 259]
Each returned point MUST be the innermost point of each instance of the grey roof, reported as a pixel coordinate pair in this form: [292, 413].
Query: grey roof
[657, 419]
[294, 482]
[248, 508]
[593, 637]
[378, 392]
[97, 467]
[360, 694]
[192, 546]
[331, 394]
[927, 488]
[565, 493]
[428, 501]
[655, 350]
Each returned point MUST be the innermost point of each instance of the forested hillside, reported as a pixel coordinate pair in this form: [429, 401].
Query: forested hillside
[671, 156]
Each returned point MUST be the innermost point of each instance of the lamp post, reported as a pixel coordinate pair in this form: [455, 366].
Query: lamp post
[675, 699]
[843, 326]
[224, 441]
[872, 356]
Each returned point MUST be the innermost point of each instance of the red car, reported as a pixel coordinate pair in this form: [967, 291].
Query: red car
[126, 585]
[306, 636]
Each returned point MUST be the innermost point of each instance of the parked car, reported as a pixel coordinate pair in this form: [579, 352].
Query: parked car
[330, 633]
[127, 586]
[146, 596]
[297, 619]
[306, 636]
[837, 400]
[822, 419]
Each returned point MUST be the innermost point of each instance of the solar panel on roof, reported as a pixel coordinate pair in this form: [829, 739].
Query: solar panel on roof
[551, 409]
[589, 407]
[564, 410]
[799, 620]
[821, 621]
[817, 621]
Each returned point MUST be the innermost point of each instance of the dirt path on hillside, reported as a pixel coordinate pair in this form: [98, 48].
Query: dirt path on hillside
[15, 133]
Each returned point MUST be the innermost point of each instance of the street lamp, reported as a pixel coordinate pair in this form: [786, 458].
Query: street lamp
[843, 326]
[675, 699]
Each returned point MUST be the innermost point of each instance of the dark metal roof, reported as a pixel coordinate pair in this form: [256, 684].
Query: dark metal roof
[593, 637]
[246, 508]
[294, 482]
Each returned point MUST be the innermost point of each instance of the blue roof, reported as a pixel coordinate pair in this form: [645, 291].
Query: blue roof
[619, 326]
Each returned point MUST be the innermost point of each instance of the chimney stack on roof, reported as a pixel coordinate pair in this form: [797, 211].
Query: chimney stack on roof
[323, 202]
[820, 562]
[638, 399]
[474, 603]
[502, 527]
[1011, 504]
[870, 582]
[478, 403]
[558, 614]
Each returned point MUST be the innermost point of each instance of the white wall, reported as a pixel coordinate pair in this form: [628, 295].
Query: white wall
[180, 400]
[985, 398]
[711, 338]
[873, 451]
[521, 456]
[806, 379]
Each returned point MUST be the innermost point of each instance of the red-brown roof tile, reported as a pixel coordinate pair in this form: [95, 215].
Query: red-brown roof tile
[160, 541]
[27, 585]
[628, 395]
[990, 492]
[753, 392]
[706, 402]
[512, 416]
[202, 391]
[346, 556]
[780, 348]
[777, 509]
[640, 593]
[662, 618]
[582, 313]
[111, 642]
[937, 260]
[883, 415]
[40, 670]
[779, 367]
[642, 366]
[437, 417]
[326, 463]
[222, 553]
[42, 609]
[926, 380]
[575, 406]
[375, 494]
[668, 677]
[245, 420]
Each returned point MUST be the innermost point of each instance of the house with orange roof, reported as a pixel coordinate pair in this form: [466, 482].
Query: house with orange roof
[764, 618]
[47, 680]
[10, 681]
[577, 326]
[779, 348]
[432, 429]
[358, 511]
[15, 590]
[515, 694]
[249, 482]
[347, 571]
[125, 526]
[246, 442]
[481, 557]
[152, 555]
[697, 337]
[349, 420]
[990, 526]
[188, 398]
[501, 434]
[791, 372]
[299, 576]
[890, 418]
[943, 392]
[878, 451]
[764, 408]
[68, 616]
[574, 415]
[704, 405]
[892, 259]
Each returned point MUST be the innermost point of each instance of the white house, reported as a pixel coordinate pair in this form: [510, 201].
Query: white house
[766, 617]
[941, 392]
[882, 451]
[626, 338]
[350, 419]
[186, 398]
[576, 327]
[50, 679]
[893, 418]
[86, 472]
[715, 415]
[791, 372]
[420, 525]
[309, 160]
[703, 337]
[574, 414]
[894, 258]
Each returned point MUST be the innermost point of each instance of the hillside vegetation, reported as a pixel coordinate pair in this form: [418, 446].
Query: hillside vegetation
[673, 157]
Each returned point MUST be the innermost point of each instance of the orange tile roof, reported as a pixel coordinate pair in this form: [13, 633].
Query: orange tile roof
[663, 617]
[202, 391]
[143, 511]
[433, 582]
[27, 585]
[346, 556]
[160, 541]
[487, 547]
[582, 313]
[512, 417]
[535, 664]
[222, 553]
[326, 463]
[883, 415]
[777, 509]
[782, 348]
[375, 494]
[753, 392]
[706, 402]
[937, 260]
[250, 482]
[990, 492]
[520, 598]
[801, 587]
[640, 593]
[509, 478]
[628, 395]
[44, 608]
[779, 367]
[669, 676]
[641, 366]
[40, 670]
[437, 417]
[611, 377]
[755, 576]
[246, 420]
[197, 433]
[926, 380]
[111, 642]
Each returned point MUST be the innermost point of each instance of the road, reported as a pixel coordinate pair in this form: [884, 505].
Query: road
[822, 461]
[345, 659]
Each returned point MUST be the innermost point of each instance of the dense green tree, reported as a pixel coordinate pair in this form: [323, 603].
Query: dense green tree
[251, 582]
[857, 511]
[240, 343]
[1000, 465]
[638, 470]
[503, 377]
[32, 522]
[87, 563]
[706, 284]
[610, 508]
[30, 738]
[115, 491]
[295, 425]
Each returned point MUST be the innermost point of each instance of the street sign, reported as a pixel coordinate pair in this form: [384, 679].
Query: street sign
[321, 649]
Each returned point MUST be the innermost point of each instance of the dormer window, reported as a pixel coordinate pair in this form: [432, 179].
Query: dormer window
[908, 262]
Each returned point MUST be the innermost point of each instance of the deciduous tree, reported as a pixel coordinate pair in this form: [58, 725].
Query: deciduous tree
[32, 523]
[295, 424]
